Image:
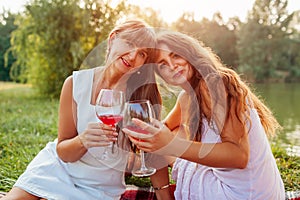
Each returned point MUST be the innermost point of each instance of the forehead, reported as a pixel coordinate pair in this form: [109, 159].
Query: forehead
[163, 51]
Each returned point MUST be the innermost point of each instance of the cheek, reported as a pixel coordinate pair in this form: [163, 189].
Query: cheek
[165, 75]
[139, 62]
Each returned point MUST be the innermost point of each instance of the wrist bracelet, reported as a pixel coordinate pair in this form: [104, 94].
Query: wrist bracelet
[162, 187]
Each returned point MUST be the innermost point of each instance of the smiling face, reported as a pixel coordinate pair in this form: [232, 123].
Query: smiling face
[130, 46]
[173, 68]
[126, 55]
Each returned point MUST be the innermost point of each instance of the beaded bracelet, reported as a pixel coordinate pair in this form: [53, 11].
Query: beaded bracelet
[162, 187]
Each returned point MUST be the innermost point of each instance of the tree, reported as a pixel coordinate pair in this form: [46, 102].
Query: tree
[215, 34]
[100, 18]
[54, 36]
[6, 27]
[263, 40]
[47, 43]
[293, 53]
[149, 15]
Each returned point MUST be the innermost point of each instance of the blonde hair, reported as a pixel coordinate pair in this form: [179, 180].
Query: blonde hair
[207, 66]
[141, 84]
[138, 33]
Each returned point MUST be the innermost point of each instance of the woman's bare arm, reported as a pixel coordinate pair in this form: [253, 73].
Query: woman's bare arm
[69, 147]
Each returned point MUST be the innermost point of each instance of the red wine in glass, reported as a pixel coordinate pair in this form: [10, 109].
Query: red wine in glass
[108, 108]
[110, 120]
[140, 109]
[136, 129]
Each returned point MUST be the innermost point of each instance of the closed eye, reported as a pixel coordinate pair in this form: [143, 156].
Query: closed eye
[162, 65]
[175, 56]
[143, 54]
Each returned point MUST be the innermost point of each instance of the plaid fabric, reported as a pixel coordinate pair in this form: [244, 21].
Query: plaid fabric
[134, 192]
[292, 195]
[137, 193]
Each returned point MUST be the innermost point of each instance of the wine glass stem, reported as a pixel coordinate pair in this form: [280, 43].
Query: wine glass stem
[143, 166]
[113, 143]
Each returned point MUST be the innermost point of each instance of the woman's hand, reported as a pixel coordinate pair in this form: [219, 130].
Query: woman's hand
[156, 141]
[98, 135]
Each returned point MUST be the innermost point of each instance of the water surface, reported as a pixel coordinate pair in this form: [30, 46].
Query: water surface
[284, 100]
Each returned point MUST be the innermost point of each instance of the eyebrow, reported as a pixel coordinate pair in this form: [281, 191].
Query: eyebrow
[170, 54]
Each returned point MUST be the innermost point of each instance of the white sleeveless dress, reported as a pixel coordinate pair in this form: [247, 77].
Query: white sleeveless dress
[49, 177]
[260, 180]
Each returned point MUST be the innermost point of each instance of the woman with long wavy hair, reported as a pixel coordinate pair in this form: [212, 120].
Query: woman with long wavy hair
[217, 131]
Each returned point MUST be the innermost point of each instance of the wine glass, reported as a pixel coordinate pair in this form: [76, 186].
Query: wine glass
[108, 108]
[140, 109]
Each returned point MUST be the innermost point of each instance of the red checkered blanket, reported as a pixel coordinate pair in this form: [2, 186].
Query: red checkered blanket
[134, 192]
[137, 193]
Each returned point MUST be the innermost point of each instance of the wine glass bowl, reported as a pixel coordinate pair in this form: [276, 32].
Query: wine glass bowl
[108, 108]
[140, 109]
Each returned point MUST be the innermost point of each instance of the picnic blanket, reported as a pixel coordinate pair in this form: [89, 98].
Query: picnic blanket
[137, 193]
[143, 193]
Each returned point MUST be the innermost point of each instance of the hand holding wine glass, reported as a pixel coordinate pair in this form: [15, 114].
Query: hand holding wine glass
[108, 108]
[140, 109]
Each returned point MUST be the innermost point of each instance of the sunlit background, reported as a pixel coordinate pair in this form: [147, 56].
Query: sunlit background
[45, 42]
[172, 10]
[265, 49]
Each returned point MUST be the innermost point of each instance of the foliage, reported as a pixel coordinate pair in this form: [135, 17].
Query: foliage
[6, 27]
[289, 167]
[47, 43]
[264, 42]
[54, 36]
[213, 33]
[143, 182]
[149, 15]
[293, 53]
[99, 19]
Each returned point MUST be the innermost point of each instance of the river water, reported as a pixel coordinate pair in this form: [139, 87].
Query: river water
[284, 100]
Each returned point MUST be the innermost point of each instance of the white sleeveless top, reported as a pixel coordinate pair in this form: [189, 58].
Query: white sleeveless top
[259, 180]
[88, 178]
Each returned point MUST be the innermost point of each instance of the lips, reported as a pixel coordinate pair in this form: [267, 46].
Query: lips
[178, 74]
[125, 62]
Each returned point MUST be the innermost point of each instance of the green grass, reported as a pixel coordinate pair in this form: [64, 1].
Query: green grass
[28, 122]
[289, 167]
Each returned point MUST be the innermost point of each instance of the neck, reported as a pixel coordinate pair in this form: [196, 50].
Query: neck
[113, 79]
[187, 87]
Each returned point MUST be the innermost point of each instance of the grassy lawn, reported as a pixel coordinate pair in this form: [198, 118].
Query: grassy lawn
[28, 122]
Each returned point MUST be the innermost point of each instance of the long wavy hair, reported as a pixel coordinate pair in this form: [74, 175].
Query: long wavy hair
[216, 87]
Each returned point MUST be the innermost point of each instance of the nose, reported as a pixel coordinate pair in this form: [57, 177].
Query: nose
[173, 65]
